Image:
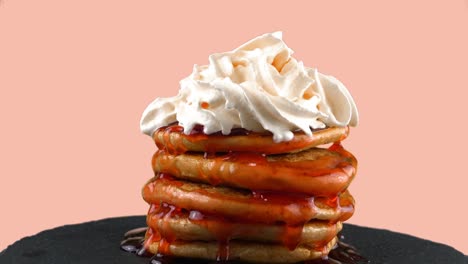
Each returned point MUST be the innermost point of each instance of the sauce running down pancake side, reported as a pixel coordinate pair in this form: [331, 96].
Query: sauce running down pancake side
[267, 207]
[137, 241]
[223, 229]
[317, 171]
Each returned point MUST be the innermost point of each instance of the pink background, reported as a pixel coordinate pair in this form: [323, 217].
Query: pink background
[75, 77]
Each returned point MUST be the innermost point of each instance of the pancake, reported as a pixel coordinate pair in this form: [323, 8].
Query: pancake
[315, 171]
[245, 251]
[182, 224]
[174, 140]
[264, 207]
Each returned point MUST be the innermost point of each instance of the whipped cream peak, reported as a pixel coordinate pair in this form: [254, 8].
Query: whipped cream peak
[259, 87]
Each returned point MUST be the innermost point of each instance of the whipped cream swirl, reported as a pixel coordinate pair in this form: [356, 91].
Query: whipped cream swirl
[258, 87]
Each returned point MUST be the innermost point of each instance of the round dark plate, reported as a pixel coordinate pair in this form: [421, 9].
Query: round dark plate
[98, 242]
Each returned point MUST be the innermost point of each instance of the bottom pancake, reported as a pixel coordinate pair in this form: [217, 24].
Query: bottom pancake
[243, 251]
[178, 223]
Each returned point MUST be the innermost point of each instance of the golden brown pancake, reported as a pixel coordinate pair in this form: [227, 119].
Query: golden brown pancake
[246, 251]
[264, 207]
[185, 225]
[174, 140]
[314, 171]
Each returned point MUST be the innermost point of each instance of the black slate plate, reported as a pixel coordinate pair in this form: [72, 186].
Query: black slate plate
[98, 243]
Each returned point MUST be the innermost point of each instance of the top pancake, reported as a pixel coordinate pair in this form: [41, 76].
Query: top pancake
[175, 141]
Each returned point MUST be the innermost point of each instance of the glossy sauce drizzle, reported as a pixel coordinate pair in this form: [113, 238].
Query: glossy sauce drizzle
[223, 229]
[266, 207]
[318, 172]
[290, 237]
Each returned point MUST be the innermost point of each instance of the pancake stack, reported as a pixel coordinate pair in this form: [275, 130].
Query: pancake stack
[245, 197]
